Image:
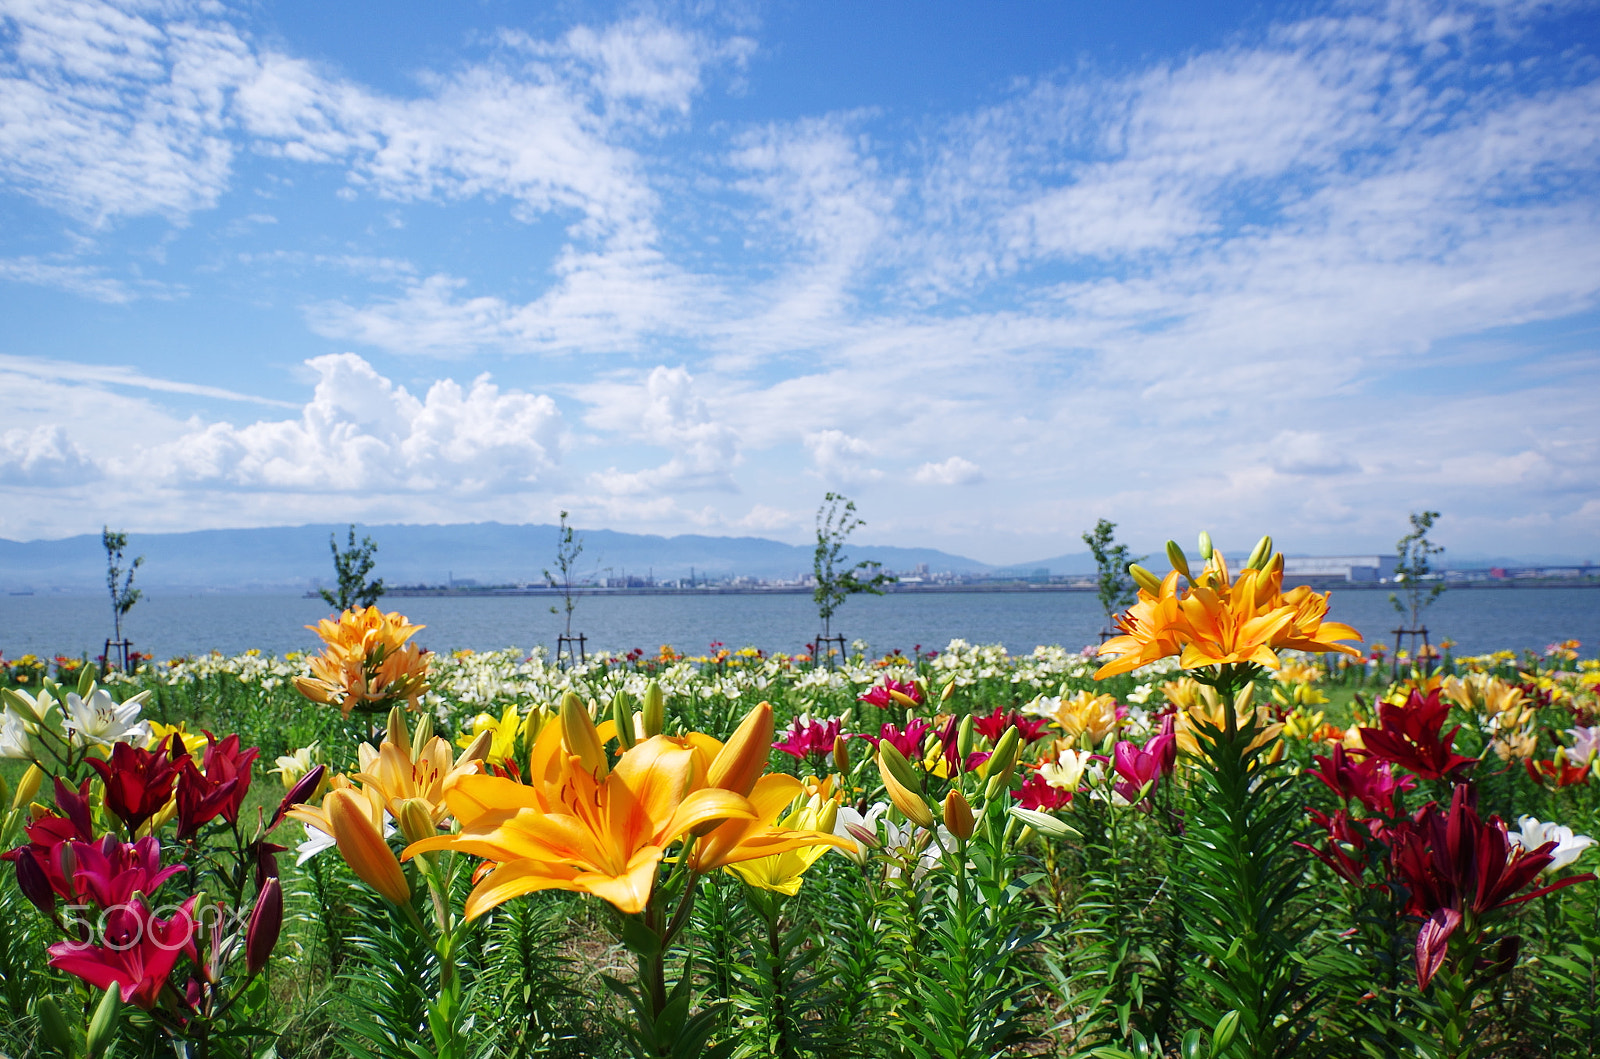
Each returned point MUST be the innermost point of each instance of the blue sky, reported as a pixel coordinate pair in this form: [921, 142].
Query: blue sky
[993, 270]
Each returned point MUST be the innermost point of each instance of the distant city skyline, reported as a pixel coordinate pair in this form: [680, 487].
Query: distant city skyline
[994, 271]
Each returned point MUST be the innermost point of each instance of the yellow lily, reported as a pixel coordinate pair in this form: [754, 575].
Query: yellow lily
[781, 872]
[1087, 718]
[397, 778]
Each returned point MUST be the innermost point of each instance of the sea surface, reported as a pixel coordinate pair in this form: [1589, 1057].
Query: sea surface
[168, 625]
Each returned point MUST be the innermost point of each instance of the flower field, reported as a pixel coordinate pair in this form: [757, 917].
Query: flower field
[1229, 832]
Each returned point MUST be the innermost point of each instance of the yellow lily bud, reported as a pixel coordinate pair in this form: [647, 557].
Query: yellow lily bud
[899, 781]
[654, 713]
[958, 815]
[903, 699]
[1144, 579]
[477, 749]
[416, 820]
[27, 787]
[622, 714]
[1179, 561]
[319, 691]
[841, 754]
[578, 733]
[743, 757]
[1260, 554]
[397, 731]
[948, 692]
[363, 848]
[1205, 546]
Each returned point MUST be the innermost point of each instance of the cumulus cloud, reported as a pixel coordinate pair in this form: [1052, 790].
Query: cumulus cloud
[841, 458]
[953, 471]
[665, 411]
[360, 432]
[43, 456]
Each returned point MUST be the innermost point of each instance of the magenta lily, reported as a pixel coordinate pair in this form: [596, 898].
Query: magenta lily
[139, 953]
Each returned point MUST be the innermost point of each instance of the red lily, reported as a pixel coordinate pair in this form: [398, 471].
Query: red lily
[138, 955]
[1372, 782]
[219, 790]
[908, 742]
[1035, 793]
[109, 872]
[884, 694]
[806, 737]
[45, 865]
[1346, 846]
[1454, 865]
[1409, 737]
[1557, 772]
[993, 726]
[138, 782]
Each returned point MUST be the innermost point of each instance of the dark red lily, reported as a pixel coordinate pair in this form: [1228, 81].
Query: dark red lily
[1408, 736]
[139, 953]
[1368, 780]
[1345, 849]
[219, 790]
[138, 782]
[1455, 865]
[266, 920]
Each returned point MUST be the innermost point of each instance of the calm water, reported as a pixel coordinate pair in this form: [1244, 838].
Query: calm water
[166, 625]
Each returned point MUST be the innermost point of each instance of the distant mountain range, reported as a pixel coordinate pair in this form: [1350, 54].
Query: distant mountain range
[297, 558]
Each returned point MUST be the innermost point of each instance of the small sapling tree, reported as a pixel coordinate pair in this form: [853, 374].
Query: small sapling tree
[835, 581]
[1414, 565]
[569, 545]
[1115, 585]
[120, 581]
[350, 569]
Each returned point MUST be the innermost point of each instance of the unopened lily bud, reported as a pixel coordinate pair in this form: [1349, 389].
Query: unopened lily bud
[478, 749]
[958, 815]
[964, 737]
[1044, 823]
[900, 781]
[415, 820]
[5, 790]
[28, 787]
[578, 733]
[304, 790]
[34, 883]
[397, 731]
[363, 847]
[53, 1025]
[1205, 546]
[1260, 554]
[266, 920]
[622, 714]
[841, 754]
[420, 737]
[654, 710]
[903, 699]
[103, 1027]
[948, 692]
[743, 757]
[1144, 579]
[1003, 762]
[86, 682]
[1179, 561]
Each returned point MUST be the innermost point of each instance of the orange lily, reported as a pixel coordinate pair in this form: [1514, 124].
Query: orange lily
[580, 825]
[397, 778]
[355, 819]
[367, 664]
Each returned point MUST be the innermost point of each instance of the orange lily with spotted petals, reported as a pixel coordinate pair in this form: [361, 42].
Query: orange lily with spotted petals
[580, 826]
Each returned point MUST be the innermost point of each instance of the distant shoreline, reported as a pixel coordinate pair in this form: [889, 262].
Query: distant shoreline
[1022, 587]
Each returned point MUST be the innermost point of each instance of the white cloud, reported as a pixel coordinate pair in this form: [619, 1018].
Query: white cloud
[665, 411]
[953, 471]
[841, 458]
[43, 456]
[362, 433]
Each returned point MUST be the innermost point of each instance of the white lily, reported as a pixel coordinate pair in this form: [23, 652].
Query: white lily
[14, 737]
[850, 824]
[1585, 743]
[31, 710]
[1066, 772]
[1533, 834]
[101, 720]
